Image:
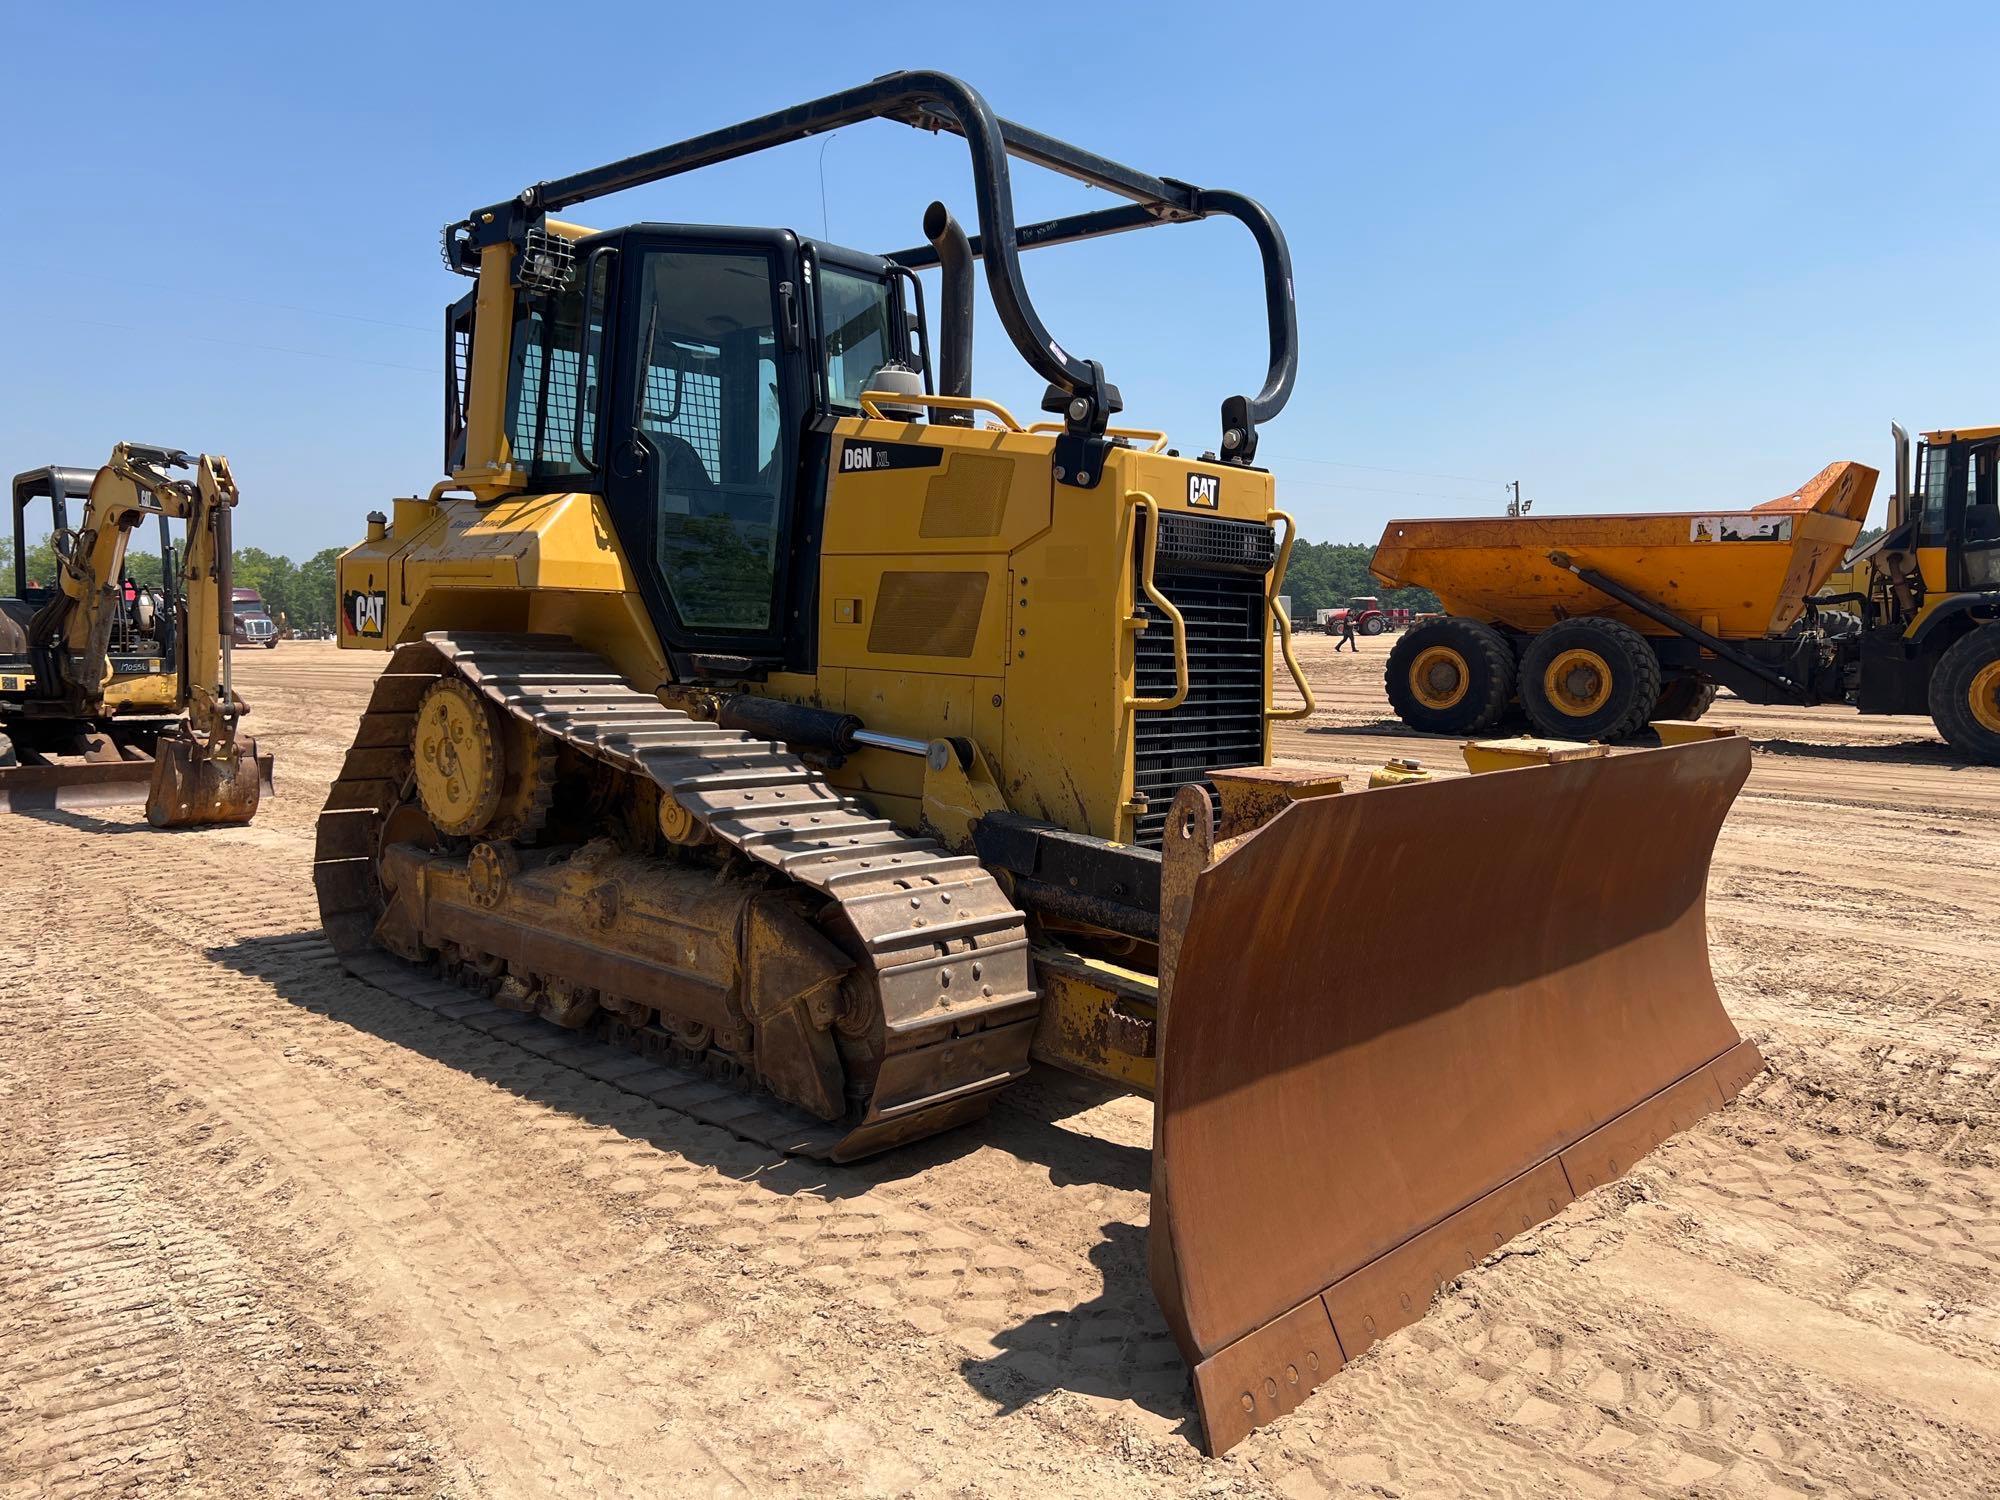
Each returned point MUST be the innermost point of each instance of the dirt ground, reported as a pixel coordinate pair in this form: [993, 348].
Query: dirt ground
[267, 1231]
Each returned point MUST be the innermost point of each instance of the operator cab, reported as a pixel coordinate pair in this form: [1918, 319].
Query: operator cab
[144, 623]
[1958, 519]
[713, 362]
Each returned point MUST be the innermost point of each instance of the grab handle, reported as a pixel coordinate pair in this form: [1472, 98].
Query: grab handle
[869, 407]
[1159, 601]
[1285, 624]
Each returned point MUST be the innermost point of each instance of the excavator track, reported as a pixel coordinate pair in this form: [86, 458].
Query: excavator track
[946, 950]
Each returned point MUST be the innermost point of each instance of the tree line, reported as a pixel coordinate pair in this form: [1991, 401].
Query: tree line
[1321, 575]
[1325, 575]
[303, 592]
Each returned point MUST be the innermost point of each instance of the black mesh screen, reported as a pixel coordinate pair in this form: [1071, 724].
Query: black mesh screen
[1210, 571]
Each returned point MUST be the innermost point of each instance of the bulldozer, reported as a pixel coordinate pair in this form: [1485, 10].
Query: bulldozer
[112, 693]
[761, 699]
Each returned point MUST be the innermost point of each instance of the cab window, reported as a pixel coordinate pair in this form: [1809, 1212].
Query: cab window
[553, 342]
[1933, 462]
[1982, 496]
[858, 320]
[709, 412]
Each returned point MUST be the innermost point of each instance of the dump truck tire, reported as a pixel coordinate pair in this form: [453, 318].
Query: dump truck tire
[1965, 695]
[1589, 679]
[1685, 698]
[1450, 676]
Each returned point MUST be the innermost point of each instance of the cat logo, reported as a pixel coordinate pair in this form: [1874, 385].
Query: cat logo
[366, 612]
[1205, 491]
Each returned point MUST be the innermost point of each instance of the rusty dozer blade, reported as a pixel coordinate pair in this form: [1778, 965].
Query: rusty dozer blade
[193, 787]
[1400, 1026]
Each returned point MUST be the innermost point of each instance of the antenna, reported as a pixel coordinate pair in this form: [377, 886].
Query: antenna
[824, 232]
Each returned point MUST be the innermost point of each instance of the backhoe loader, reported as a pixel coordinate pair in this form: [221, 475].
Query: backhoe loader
[763, 702]
[110, 693]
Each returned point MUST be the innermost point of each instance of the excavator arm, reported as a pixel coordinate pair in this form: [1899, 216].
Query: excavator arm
[207, 693]
[208, 772]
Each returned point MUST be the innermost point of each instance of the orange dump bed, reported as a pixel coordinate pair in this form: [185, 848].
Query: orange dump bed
[1736, 574]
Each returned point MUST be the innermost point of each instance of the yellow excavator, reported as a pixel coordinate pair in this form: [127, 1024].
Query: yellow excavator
[110, 693]
[765, 702]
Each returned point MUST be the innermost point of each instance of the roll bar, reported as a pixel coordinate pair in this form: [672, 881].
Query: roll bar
[939, 102]
[56, 484]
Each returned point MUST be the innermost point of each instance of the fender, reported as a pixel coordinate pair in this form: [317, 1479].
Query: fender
[1984, 605]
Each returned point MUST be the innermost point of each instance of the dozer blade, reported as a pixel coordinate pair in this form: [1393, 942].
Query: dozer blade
[73, 786]
[1400, 1026]
[192, 787]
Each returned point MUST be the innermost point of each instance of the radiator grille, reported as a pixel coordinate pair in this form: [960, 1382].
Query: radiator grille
[1189, 541]
[1222, 721]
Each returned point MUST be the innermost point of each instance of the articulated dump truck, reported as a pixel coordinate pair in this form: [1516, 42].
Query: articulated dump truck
[1598, 625]
[764, 702]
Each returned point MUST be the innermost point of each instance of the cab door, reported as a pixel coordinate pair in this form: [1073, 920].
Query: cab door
[700, 469]
[1978, 553]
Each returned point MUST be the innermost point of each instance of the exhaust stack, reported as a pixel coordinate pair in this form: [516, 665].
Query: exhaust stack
[1899, 502]
[954, 254]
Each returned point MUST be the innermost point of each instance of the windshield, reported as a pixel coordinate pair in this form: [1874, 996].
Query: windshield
[855, 313]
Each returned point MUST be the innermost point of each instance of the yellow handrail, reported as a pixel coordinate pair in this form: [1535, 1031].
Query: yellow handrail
[1158, 439]
[1285, 623]
[868, 401]
[1164, 605]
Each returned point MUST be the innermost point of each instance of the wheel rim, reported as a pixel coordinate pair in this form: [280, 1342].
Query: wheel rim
[1577, 682]
[1440, 677]
[1983, 697]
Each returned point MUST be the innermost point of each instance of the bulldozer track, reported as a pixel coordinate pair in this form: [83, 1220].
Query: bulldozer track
[922, 913]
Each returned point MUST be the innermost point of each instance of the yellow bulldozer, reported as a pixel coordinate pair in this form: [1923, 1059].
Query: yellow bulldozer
[113, 693]
[764, 701]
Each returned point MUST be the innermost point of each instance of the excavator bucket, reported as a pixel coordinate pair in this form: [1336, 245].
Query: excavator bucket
[1400, 1026]
[193, 787]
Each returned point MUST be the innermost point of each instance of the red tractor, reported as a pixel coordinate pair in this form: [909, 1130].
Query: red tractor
[1367, 613]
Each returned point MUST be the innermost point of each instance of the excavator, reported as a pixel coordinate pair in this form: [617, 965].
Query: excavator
[110, 693]
[762, 700]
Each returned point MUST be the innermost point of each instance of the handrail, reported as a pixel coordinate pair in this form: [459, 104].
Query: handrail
[1164, 605]
[1285, 622]
[868, 401]
[1158, 439]
[934, 101]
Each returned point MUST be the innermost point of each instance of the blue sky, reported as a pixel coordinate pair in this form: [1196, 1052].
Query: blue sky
[1636, 257]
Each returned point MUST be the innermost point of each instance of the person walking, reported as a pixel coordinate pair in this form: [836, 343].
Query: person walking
[1347, 635]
